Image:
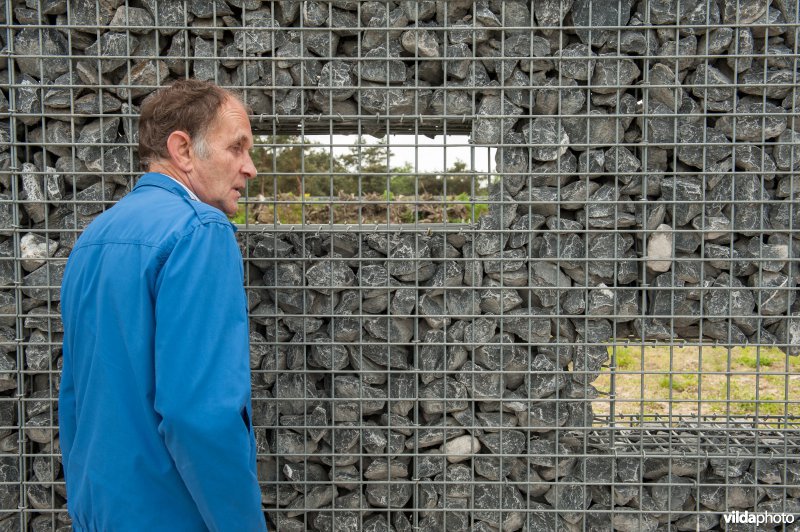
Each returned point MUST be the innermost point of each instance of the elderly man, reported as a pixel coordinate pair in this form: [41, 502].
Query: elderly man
[154, 403]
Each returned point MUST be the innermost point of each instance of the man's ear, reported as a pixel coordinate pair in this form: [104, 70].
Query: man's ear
[179, 146]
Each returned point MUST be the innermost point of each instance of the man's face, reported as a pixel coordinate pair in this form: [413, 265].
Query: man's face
[219, 176]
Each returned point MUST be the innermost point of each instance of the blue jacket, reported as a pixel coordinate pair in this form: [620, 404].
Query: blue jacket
[154, 404]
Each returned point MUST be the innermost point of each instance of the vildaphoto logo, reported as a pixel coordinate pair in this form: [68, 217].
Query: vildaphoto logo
[746, 518]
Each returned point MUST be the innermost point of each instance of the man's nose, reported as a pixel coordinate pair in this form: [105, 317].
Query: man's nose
[249, 168]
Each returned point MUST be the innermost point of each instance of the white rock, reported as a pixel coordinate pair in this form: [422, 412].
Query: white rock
[659, 249]
[461, 448]
[35, 249]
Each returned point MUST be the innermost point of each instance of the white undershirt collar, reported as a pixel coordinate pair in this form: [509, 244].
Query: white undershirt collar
[192, 195]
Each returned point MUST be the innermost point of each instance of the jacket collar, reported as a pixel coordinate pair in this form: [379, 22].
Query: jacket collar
[157, 179]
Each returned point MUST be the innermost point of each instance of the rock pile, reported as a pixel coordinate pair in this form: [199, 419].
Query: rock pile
[647, 187]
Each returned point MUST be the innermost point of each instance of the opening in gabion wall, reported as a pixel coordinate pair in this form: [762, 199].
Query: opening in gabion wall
[467, 366]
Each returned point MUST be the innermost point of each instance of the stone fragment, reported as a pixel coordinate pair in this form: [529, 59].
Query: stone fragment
[679, 54]
[461, 448]
[41, 53]
[685, 195]
[330, 276]
[754, 122]
[787, 155]
[135, 19]
[380, 66]
[496, 116]
[576, 61]
[559, 96]
[702, 147]
[547, 138]
[588, 15]
[593, 130]
[35, 250]
[260, 33]
[612, 74]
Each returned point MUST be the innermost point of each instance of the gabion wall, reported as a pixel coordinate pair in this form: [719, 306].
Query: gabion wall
[429, 378]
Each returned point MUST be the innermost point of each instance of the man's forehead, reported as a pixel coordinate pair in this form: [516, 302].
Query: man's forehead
[233, 116]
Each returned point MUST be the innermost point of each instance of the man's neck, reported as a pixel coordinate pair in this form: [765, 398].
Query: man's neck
[174, 174]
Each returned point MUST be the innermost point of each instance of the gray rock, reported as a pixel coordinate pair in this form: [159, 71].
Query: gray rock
[204, 65]
[747, 211]
[395, 356]
[747, 12]
[576, 61]
[388, 495]
[612, 73]
[587, 362]
[328, 355]
[380, 66]
[497, 300]
[679, 55]
[566, 249]
[786, 155]
[139, 20]
[330, 276]
[94, 135]
[788, 334]
[771, 82]
[115, 46]
[557, 96]
[729, 298]
[41, 53]
[710, 83]
[772, 292]
[753, 159]
[336, 81]
[547, 138]
[594, 129]
[701, 147]
[260, 33]
[488, 498]
[44, 283]
[295, 394]
[490, 237]
[495, 117]
[671, 492]
[481, 384]
[418, 10]
[420, 43]
[28, 100]
[141, 79]
[94, 198]
[632, 520]
[588, 15]
[432, 396]
[169, 17]
[545, 379]
[754, 122]
[569, 499]
[685, 196]
[92, 104]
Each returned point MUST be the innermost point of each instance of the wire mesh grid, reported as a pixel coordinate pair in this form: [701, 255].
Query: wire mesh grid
[509, 265]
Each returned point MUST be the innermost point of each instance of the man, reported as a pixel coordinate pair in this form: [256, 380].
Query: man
[154, 403]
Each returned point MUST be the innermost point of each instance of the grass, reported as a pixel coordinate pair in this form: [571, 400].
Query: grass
[699, 381]
[368, 209]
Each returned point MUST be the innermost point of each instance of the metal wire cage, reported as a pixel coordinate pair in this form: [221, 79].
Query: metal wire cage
[510, 265]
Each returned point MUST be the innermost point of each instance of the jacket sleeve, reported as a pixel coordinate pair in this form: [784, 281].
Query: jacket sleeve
[202, 390]
[67, 420]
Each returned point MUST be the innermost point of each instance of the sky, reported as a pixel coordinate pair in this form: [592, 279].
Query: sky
[430, 155]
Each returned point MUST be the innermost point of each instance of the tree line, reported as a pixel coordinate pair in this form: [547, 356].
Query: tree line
[294, 165]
